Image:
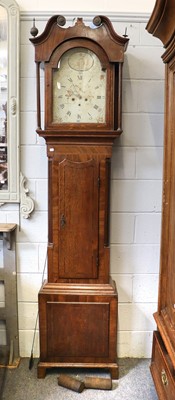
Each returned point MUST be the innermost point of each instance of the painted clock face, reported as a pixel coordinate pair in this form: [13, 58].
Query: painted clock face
[79, 88]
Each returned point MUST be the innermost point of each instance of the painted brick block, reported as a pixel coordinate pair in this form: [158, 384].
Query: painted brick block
[34, 162]
[149, 162]
[42, 195]
[136, 317]
[135, 258]
[43, 259]
[25, 343]
[33, 230]
[27, 257]
[150, 96]
[129, 196]
[142, 129]
[147, 229]
[130, 96]
[28, 69]
[28, 102]
[27, 315]
[124, 287]
[28, 287]
[28, 127]
[3, 218]
[145, 288]
[135, 344]
[12, 217]
[143, 96]
[123, 163]
[143, 63]
[122, 228]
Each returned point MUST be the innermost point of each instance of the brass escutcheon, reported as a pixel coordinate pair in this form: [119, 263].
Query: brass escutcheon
[164, 378]
[63, 221]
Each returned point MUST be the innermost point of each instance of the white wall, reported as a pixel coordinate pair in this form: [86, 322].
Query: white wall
[93, 5]
[136, 191]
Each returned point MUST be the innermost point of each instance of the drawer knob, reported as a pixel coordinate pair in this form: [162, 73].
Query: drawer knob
[164, 378]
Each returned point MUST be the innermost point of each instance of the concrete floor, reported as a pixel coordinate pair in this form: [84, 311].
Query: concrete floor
[135, 383]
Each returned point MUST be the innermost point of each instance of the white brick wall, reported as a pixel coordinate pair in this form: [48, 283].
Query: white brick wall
[136, 191]
[136, 185]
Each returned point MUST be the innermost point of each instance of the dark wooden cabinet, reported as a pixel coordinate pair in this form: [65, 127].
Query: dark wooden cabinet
[83, 80]
[162, 25]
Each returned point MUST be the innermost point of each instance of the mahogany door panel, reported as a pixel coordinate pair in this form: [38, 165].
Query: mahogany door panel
[78, 219]
[79, 215]
[77, 330]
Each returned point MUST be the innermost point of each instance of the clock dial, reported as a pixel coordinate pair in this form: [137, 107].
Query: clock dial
[79, 88]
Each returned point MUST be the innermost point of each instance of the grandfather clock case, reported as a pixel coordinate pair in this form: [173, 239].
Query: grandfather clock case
[162, 25]
[82, 117]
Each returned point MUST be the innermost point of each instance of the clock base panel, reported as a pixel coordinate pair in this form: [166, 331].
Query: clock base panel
[78, 326]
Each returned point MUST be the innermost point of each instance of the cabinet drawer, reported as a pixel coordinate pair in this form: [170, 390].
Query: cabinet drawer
[162, 370]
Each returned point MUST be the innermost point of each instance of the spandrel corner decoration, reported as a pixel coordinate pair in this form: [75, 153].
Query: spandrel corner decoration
[9, 101]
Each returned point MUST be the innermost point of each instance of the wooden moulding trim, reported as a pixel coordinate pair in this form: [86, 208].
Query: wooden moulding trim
[170, 51]
[109, 39]
[80, 138]
[77, 365]
[156, 16]
[122, 40]
[161, 22]
[56, 288]
[86, 15]
[117, 38]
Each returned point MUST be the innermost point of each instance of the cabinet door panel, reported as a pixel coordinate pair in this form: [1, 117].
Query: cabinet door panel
[72, 324]
[78, 219]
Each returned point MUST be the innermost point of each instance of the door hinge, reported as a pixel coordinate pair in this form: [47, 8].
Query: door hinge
[97, 261]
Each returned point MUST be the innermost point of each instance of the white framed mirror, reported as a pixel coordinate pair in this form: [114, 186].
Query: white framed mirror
[9, 102]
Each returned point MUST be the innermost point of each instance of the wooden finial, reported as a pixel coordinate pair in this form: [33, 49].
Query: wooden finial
[97, 21]
[61, 20]
[125, 34]
[34, 30]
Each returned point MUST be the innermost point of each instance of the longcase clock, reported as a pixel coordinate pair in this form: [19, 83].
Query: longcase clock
[82, 117]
